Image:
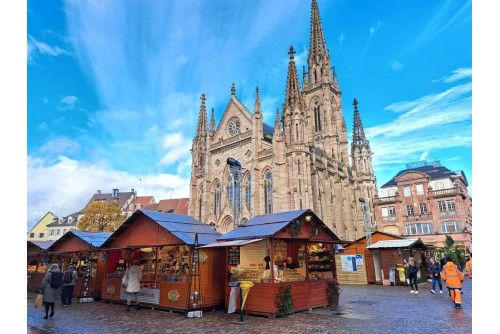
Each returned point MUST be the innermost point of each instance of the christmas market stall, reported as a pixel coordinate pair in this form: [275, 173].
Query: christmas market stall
[82, 249]
[297, 246]
[390, 256]
[176, 275]
[355, 264]
[37, 262]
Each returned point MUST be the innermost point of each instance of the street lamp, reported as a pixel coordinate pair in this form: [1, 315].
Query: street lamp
[366, 217]
[236, 171]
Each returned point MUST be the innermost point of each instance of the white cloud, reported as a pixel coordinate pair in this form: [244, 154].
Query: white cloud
[35, 47]
[459, 73]
[81, 180]
[177, 148]
[423, 156]
[60, 146]
[69, 101]
[396, 65]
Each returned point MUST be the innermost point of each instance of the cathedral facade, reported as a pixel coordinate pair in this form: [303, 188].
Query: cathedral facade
[301, 162]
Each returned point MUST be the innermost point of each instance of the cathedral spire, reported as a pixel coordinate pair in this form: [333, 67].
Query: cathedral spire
[201, 129]
[256, 106]
[317, 48]
[212, 123]
[277, 127]
[293, 95]
[358, 134]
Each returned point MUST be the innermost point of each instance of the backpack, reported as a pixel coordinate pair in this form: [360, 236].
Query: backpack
[56, 280]
[68, 276]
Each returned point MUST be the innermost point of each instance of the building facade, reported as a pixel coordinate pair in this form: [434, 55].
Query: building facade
[302, 162]
[61, 225]
[428, 201]
[39, 232]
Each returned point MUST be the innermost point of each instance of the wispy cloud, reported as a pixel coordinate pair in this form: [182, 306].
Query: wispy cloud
[177, 148]
[68, 102]
[458, 74]
[41, 48]
[396, 65]
[375, 28]
[341, 37]
[60, 146]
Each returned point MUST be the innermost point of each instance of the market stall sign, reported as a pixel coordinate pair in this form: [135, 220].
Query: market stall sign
[151, 296]
[348, 263]
[233, 255]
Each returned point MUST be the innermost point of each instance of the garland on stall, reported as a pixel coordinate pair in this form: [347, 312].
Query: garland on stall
[315, 230]
[284, 301]
[333, 293]
[295, 227]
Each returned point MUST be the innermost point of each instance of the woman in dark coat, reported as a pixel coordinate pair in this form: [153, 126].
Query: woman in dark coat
[50, 294]
[413, 270]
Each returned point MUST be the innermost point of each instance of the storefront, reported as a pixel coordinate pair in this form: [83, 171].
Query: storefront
[37, 262]
[82, 249]
[164, 243]
[299, 248]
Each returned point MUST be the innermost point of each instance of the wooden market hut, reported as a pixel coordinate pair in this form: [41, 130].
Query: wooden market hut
[300, 235]
[365, 273]
[82, 249]
[37, 257]
[152, 237]
[388, 254]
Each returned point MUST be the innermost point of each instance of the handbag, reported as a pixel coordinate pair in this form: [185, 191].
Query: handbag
[125, 280]
[39, 300]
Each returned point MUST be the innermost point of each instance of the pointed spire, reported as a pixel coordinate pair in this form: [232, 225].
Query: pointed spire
[335, 82]
[212, 123]
[277, 126]
[256, 106]
[201, 129]
[317, 47]
[233, 90]
[358, 134]
[293, 95]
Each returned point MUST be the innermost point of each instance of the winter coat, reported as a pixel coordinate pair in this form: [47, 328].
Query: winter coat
[134, 277]
[468, 268]
[413, 270]
[435, 268]
[74, 278]
[50, 295]
[452, 276]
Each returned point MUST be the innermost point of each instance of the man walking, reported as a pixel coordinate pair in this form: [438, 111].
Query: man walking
[453, 279]
[435, 270]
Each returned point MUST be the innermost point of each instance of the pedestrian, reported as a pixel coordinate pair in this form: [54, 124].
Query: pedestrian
[52, 284]
[453, 278]
[132, 282]
[70, 277]
[468, 266]
[434, 271]
[413, 270]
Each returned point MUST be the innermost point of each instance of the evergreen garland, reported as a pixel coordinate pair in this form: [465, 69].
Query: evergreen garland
[295, 227]
[284, 301]
[333, 293]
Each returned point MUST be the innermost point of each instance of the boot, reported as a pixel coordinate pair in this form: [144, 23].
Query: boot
[128, 307]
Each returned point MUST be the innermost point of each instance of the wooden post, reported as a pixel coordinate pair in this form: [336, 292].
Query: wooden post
[271, 252]
[156, 264]
[306, 254]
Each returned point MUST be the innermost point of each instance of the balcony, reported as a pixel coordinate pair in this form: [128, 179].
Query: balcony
[391, 218]
[386, 200]
[450, 192]
[447, 213]
[418, 217]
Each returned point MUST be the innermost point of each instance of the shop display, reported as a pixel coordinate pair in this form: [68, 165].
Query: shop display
[320, 262]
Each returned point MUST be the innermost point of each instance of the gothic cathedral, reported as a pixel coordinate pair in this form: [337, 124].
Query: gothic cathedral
[302, 162]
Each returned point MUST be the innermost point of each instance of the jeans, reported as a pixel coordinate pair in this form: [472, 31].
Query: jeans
[67, 294]
[438, 279]
[413, 280]
[129, 297]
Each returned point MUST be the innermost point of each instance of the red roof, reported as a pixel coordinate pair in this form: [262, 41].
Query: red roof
[175, 205]
[142, 200]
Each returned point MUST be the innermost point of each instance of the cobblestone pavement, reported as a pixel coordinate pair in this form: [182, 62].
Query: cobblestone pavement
[362, 309]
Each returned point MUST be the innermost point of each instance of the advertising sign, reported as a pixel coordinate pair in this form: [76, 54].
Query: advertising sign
[151, 296]
[233, 255]
[359, 259]
[348, 263]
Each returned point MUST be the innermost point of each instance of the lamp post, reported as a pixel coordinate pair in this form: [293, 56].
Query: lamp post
[236, 171]
[366, 217]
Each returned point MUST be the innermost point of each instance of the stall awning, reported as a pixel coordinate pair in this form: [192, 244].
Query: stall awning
[403, 243]
[232, 243]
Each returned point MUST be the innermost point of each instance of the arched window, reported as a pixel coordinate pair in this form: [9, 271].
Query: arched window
[248, 193]
[268, 189]
[217, 200]
[200, 204]
[230, 190]
[315, 77]
[317, 118]
[298, 167]
[296, 132]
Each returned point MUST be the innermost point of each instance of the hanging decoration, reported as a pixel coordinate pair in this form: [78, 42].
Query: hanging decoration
[295, 228]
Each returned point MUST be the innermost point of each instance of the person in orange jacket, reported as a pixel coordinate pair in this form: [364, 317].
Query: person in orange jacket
[453, 278]
[468, 266]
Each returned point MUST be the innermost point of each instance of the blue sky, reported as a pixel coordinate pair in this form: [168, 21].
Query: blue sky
[113, 88]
